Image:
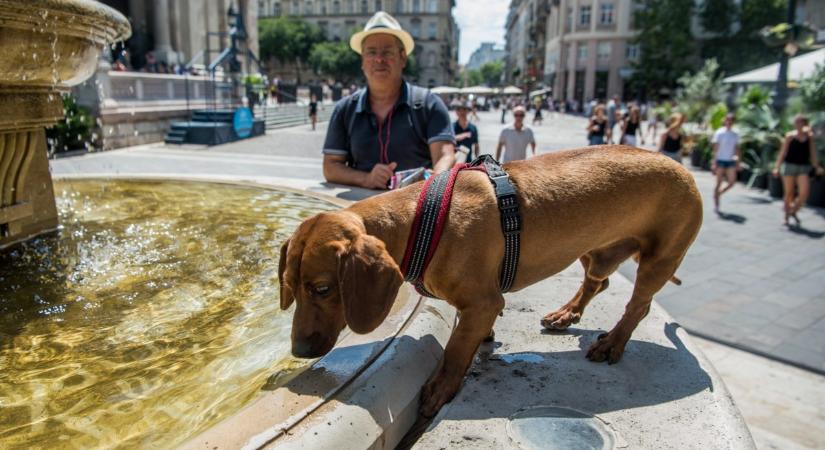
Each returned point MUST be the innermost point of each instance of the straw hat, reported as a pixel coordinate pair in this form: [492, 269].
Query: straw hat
[382, 22]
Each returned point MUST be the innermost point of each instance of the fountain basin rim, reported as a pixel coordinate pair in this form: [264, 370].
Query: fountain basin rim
[79, 18]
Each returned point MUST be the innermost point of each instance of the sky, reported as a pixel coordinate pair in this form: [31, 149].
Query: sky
[479, 21]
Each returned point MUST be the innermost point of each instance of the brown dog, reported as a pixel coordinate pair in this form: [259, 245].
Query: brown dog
[599, 205]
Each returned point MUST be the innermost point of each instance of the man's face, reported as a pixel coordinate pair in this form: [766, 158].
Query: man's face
[461, 113]
[382, 59]
[519, 117]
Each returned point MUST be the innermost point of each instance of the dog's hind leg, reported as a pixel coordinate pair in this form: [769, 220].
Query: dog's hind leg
[655, 269]
[598, 265]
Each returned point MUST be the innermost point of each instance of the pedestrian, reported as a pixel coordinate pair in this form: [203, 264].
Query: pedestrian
[726, 159]
[795, 161]
[671, 142]
[613, 106]
[537, 118]
[313, 110]
[508, 105]
[515, 138]
[466, 134]
[391, 124]
[597, 126]
[474, 111]
[652, 123]
[631, 126]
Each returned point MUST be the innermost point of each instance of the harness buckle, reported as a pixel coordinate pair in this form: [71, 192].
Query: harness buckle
[507, 205]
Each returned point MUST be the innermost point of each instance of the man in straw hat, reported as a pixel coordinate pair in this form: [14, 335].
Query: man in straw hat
[390, 125]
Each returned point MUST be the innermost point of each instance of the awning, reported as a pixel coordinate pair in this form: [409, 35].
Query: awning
[540, 92]
[511, 90]
[477, 90]
[799, 67]
[445, 90]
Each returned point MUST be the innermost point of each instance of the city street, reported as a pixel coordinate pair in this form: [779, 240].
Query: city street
[749, 284]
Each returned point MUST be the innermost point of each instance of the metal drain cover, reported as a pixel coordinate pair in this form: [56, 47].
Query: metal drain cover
[555, 428]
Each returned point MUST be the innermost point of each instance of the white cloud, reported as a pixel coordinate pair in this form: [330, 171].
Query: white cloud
[479, 21]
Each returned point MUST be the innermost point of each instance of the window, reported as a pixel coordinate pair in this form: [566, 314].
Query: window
[606, 14]
[364, 7]
[351, 7]
[569, 24]
[323, 8]
[584, 15]
[416, 6]
[416, 29]
[432, 30]
[294, 10]
[432, 6]
[308, 8]
[336, 30]
[399, 6]
[632, 52]
[378, 5]
[336, 8]
[582, 49]
[276, 9]
[432, 59]
[603, 50]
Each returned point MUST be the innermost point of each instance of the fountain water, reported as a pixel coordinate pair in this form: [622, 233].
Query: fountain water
[48, 46]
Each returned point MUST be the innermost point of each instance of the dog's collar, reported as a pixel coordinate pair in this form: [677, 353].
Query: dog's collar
[431, 213]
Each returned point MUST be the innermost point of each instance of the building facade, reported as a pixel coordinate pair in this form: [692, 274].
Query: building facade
[589, 53]
[430, 22]
[486, 53]
[526, 31]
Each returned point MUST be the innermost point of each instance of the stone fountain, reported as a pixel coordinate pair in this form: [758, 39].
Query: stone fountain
[47, 47]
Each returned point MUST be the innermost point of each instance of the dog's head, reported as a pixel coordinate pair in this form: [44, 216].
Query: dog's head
[338, 276]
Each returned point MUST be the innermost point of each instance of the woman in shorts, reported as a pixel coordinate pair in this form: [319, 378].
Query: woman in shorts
[597, 126]
[632, 126]
[795, 161]
[313, 111]
[670, 144]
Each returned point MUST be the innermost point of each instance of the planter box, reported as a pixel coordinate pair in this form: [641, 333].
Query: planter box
[761, 181]
[775, 186]
[817, 197]
[696, 158]
[744, 175]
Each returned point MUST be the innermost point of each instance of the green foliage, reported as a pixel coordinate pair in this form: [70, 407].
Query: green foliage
[472, 77]
[491, 72]
[665, 43]
[755, 96]
[716, 116]
[744, 49]
[812, 90]
[717, 16]
[287, 39]
[74, 131]
[412, 69]
[335, 60]
[762, 133]
[700, 91]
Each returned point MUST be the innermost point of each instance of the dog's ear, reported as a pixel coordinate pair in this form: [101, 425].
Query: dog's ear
[368, 281]
[286, 293]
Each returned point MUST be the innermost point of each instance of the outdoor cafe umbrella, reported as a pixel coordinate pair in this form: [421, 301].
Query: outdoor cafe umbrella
[477, 90]
[539, 92]
[445, 90]
[511, 90]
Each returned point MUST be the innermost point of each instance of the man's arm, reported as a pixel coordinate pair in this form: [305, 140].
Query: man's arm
[337, 171]
[443, 155]
[498, 150]
[476, 150]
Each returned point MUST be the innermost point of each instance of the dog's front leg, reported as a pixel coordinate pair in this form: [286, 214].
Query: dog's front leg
[474, 324]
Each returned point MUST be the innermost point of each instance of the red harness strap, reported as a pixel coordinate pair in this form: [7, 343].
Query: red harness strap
[430, 216]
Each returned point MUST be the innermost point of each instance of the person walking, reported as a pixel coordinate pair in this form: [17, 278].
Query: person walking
[389, 125]
[613, 106]
[313, 111]
[597, 126]
[466, 134]
[632, 126]
[670, 144]
[795, 161]
[726, 159]
[652, 123]
[515, 138]
[537, 118]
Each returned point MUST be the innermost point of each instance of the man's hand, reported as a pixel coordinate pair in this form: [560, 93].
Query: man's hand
[464, 135]
[379, 176]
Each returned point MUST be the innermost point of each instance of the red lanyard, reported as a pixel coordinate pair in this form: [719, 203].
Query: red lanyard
[384, 146]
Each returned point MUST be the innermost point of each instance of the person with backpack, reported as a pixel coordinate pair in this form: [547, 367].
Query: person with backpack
[390, 125]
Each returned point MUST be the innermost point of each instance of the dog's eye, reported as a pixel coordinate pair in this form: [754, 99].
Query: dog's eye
[321, 290]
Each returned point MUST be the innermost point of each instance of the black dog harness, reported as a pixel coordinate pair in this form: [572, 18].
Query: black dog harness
[431, 213]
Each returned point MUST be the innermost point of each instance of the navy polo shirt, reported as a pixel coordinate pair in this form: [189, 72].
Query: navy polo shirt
[467, 142]
[405, 148]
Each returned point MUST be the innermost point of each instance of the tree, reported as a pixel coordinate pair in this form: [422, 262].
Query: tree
[335, 60]
[491, 72]
[699, 92]
[718, 16]
[471, 77]
[288, 39]
[812, 90]
[665, 42]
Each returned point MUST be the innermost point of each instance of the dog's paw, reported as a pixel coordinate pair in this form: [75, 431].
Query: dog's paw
[560, 320]
[436, 393]
[608, 347]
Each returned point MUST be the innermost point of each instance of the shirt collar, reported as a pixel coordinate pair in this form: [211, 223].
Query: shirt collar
[363, 105]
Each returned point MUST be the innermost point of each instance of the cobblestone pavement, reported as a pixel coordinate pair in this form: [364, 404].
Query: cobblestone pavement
[748, 282]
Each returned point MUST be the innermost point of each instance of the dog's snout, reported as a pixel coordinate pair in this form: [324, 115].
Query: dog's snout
[312, 346]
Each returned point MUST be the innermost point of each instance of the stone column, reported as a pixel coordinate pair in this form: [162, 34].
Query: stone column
[163, 44]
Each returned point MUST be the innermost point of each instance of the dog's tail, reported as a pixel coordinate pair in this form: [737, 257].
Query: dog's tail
[674, 279]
